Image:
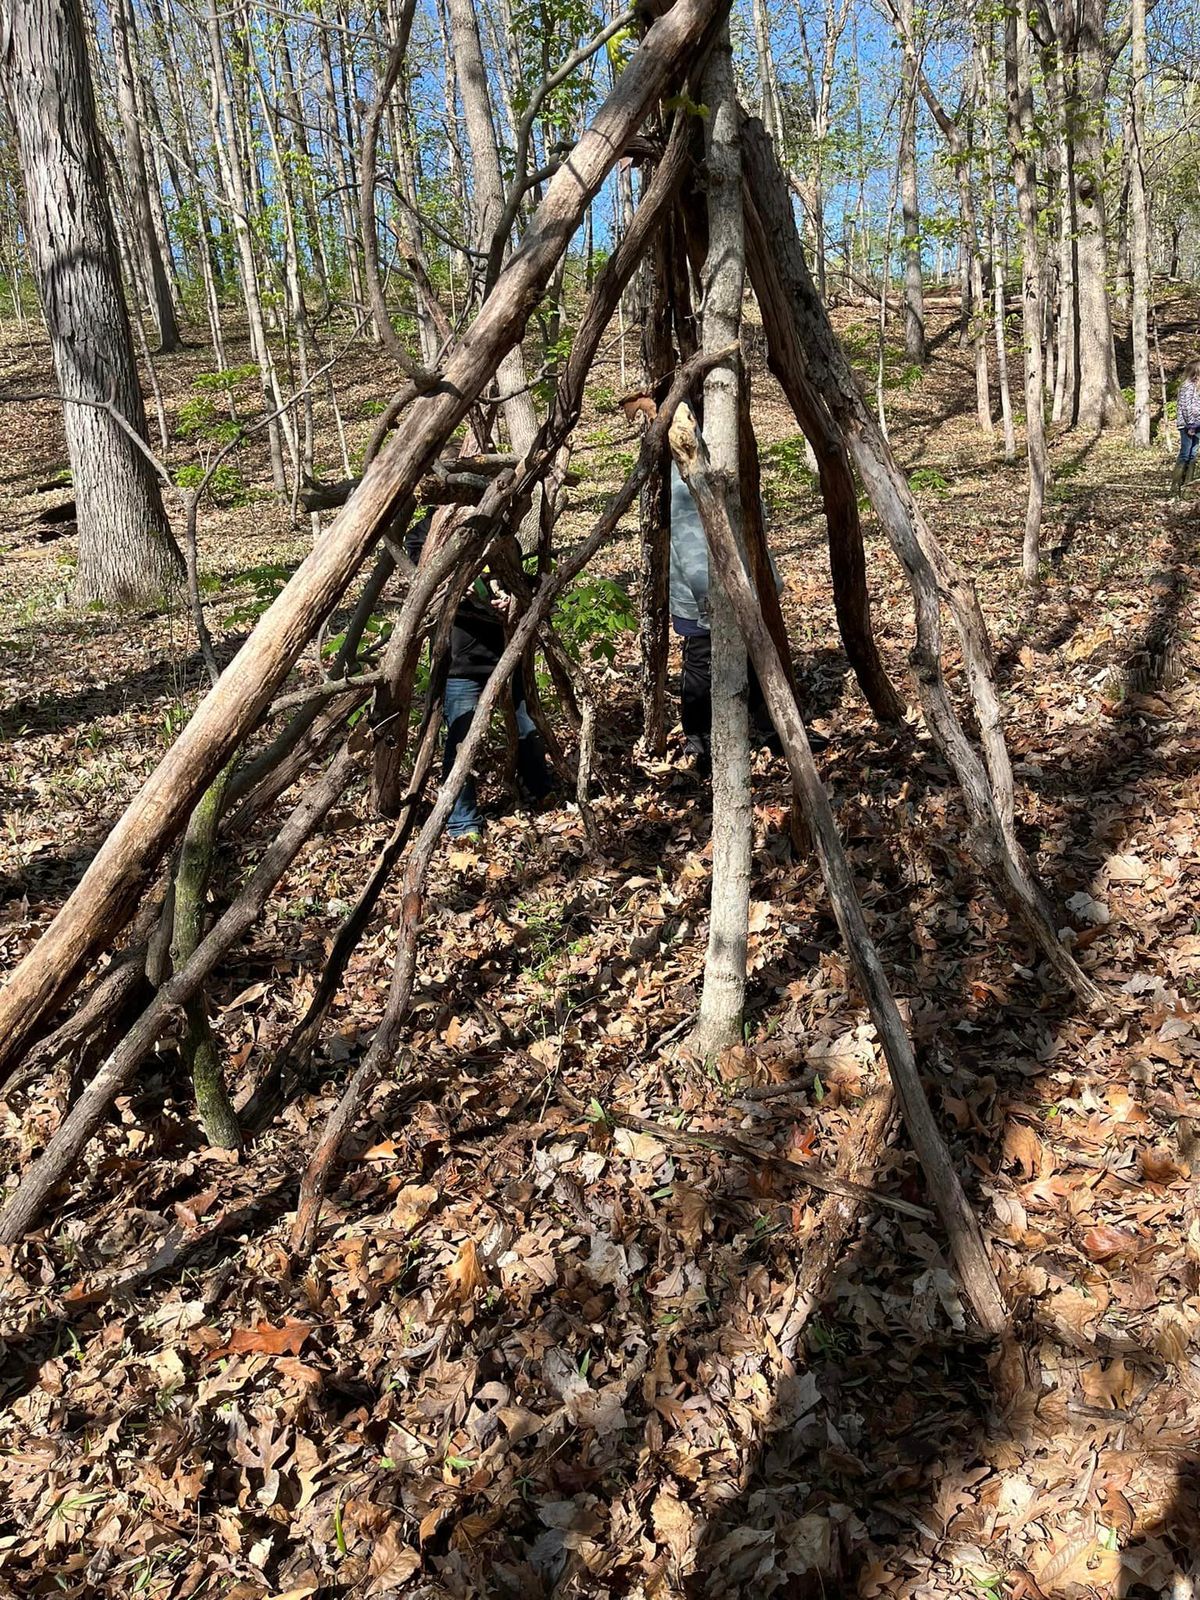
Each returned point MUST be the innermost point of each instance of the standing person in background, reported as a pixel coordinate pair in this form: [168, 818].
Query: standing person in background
[1187, 420]
[690, 620]
[476, 644]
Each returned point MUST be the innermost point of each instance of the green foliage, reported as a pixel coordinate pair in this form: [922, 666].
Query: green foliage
[684, 102]
[377, 630]
[787, 458]
[227, 378]
[226, 484]
[928, 480]
[912, 376]
[556, 353]
[197, 419]
[593, 615]
[265, 582]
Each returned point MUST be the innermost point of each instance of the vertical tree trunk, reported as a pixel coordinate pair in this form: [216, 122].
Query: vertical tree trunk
[229, 160]
[520, 417]
[983, 44]
[914, 295]
[137, 175]
[1101, 402]
[1021, 136]
[655, 507]
[1066, 370]
[768, 89]
[722, 1000]
[1139, 232]
[338, 161]
[126, 552]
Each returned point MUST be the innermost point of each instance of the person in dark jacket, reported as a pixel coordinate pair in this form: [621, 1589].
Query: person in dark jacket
[690, 619]
[1187, 420]
[477, 642]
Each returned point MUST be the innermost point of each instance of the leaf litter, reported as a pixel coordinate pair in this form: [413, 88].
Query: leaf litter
[540, 1353]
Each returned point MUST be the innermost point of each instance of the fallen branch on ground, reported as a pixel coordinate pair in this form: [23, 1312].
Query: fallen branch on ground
[801, 1171]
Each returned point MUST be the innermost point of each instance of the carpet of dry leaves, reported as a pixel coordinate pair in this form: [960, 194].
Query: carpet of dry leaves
[537, 1353]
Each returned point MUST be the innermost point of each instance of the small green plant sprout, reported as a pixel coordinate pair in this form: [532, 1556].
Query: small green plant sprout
[592, 616]
[928, 480]
[265, 582]
[788, 458]
[227, 486]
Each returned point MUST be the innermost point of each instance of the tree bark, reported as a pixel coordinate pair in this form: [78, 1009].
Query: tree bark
[102, 902]
[722, 999]
[1139, 229]
[1101, 402]
[1021, 141]
[127, 555]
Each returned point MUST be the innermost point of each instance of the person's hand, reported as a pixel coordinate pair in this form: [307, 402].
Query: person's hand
[506, 605]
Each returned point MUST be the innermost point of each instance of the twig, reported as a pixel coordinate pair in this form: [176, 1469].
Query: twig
[803, 1172]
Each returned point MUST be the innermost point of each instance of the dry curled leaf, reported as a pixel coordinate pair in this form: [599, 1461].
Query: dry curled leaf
[393, 1562]
[1076, 1564]
[1105, 1241]
[1116, 1512]
[465, 1278]
[1023, 1147]
[1160, 1165]
[673, 1525]
[1111, 1385]
[265, 1339]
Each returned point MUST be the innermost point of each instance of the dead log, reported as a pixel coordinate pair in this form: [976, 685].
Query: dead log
[386, 1042]
[60, 1156]
[456, 485]
[103, 901]
[962, 1227]
[797, 323]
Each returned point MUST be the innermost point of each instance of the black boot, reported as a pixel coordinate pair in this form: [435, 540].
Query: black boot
[533, 773]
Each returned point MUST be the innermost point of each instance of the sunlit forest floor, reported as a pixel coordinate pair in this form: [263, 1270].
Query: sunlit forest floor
[540, 1356]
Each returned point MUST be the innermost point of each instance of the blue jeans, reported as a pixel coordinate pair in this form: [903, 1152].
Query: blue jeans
[1189, 441]
[458, 708]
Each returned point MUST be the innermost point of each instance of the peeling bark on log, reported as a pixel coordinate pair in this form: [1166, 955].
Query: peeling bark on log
[839, 1215]
[103, 901]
